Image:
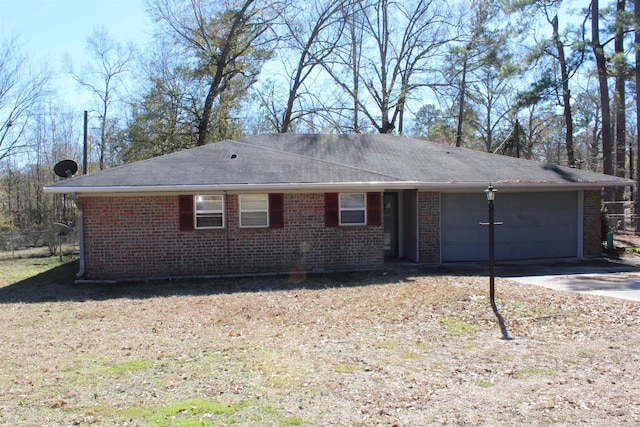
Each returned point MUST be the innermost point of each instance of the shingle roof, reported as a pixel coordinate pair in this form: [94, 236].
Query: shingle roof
[299, 161]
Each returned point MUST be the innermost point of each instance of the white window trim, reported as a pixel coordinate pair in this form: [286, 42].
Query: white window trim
[196, 212]
[241, 211]
[341, 209]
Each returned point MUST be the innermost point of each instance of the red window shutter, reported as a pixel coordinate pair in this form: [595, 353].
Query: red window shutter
[185, 206]
[276, 210]
[374, 209]
[331, 210]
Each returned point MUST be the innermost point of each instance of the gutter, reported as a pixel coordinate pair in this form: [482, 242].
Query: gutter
[334, 186]
[81, 271]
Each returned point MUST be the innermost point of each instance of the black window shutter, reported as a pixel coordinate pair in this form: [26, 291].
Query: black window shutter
[374, 209]
[185, 207]
[331, 210]
[276, 210]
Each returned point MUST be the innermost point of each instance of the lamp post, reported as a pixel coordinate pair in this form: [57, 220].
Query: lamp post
[491, 195]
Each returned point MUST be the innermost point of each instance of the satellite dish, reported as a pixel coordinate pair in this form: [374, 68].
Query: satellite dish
[65, 168]
[61, 229]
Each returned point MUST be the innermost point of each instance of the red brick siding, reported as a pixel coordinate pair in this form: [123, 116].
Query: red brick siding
[591, 224]
[140, 237]
[429, 227]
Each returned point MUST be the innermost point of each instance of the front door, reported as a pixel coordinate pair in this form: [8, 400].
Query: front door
[390, 225]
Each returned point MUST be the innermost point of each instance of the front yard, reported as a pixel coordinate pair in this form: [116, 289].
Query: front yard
[390, 348]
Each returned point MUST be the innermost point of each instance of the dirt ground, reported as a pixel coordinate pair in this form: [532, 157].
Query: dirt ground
[371, 349]
[626, 239]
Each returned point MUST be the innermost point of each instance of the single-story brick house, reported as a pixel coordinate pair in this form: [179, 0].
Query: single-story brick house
[281, 203]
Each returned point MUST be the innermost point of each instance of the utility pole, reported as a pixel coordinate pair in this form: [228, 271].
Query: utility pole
[84, 143]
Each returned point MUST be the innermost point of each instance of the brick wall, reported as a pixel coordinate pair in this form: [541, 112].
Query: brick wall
[591, 228]
[429, 227]
[127, 237]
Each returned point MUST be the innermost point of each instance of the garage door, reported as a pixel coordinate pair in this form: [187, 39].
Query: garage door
[536, 225]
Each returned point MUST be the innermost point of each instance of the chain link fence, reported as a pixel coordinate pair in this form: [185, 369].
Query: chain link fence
[40, 243]
[621, 221]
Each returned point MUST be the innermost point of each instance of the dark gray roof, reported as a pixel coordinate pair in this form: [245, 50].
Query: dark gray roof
[298, 161]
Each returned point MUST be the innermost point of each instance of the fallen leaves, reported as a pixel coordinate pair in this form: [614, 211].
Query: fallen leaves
[351, 349]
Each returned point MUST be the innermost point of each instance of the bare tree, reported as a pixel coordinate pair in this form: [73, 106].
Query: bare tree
[162, 114]
[399, 42]
[21, 91]
[480, 36]
[228, 42]
[566, 93]
[23, 204]
[601, 66]
[636, 21]
[108, 63]
[558, 55]
[491, 98]
[587, 120]
[619, 96]
[312, 35]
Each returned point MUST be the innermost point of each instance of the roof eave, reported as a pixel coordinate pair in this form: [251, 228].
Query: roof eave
[331, 186]
[230, 187]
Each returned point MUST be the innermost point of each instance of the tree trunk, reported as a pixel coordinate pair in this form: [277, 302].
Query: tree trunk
[619, 105]
[217, 85]
[566, 94]
[463, 88]
[355, 68]
[203, 125]
[601, 66]
[636, 15]
[103, 130]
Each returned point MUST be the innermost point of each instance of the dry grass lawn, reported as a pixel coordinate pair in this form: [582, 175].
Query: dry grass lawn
[366, 349]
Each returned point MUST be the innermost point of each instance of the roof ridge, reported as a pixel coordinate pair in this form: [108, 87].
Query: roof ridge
[273, 150]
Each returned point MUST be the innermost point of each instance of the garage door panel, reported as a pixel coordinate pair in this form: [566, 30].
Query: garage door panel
[535, 225]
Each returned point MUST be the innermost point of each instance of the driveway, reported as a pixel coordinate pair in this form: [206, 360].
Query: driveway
[619, 278]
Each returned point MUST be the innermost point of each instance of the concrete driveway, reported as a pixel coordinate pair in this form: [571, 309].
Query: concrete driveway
[618, 278]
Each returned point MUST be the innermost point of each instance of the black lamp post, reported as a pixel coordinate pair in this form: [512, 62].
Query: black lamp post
[491, 195]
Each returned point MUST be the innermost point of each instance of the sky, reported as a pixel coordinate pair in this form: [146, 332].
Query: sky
[50, 29]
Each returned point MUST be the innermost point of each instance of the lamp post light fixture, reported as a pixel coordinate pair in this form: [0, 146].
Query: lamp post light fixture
[491, 195]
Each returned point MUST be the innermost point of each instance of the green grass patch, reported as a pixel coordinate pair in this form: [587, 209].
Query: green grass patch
[292, 421]
[201, 413]
[389, 345]
[37, 270]
[130, 366]
[347, 368]
[130, 413]
[197, 412]
[411, 355]
[456, 327]
[532, 371]
[425, 347]
[484, 383]
[437, 367]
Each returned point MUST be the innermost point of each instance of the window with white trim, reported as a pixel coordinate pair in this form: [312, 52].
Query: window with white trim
[209, 211]
[353, 208]
[254, 210]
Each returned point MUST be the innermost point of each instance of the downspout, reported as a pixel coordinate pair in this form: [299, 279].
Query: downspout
[227, 227]
[74, 197]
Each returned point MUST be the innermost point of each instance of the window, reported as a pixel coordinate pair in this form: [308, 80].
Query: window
[209, 211]
[352, 209]
[254, 210]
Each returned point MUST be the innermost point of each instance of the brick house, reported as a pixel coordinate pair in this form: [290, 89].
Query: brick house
[308, 203]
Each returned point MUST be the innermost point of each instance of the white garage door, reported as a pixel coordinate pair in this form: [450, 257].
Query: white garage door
[536, 225]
